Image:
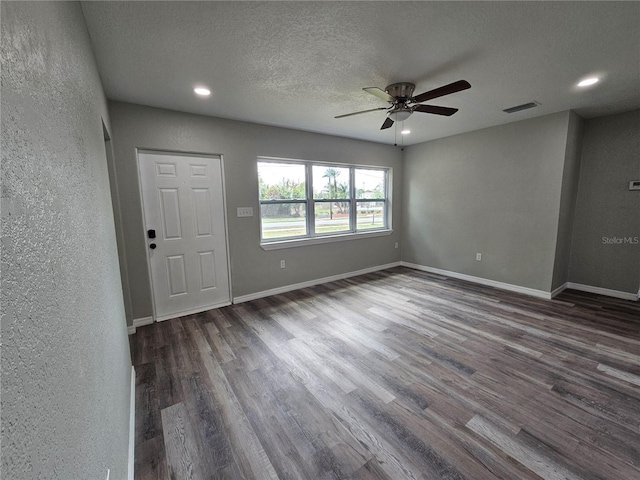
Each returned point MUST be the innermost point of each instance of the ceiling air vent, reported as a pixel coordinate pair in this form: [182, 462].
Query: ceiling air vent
[524, 106]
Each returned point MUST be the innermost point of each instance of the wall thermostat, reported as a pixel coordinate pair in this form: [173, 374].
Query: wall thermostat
[634, 185]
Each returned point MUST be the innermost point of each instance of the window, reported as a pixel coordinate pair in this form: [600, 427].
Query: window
[306, 199]
[283, 200]
[331, 199]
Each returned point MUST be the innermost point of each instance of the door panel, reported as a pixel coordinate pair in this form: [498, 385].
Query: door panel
[170, 213]
[201, 203]
[207, 270]
[198, 170]
[183, 201]
[177, 275]
[166, 169]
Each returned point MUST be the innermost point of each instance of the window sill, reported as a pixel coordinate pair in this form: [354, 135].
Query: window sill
[303, 242]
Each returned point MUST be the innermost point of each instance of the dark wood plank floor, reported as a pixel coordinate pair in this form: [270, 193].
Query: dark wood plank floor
[393, 375]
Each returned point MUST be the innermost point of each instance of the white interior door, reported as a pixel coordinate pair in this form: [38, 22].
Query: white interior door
[183, 202]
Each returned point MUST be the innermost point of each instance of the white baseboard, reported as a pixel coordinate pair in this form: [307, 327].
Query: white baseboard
[311, 283]
[602, 291]
[141, 322]
[482, 281]
[132, 425]
[559, 290]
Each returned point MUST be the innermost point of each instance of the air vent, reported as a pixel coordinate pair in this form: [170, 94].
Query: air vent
[524, 106]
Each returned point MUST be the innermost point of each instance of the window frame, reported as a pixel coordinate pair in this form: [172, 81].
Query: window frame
[311, 236]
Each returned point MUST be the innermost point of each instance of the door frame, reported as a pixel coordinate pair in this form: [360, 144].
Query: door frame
[183, 153]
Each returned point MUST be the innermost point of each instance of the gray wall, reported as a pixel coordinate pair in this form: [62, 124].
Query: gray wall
[252, 269]
[605, 207]
[115, 204]
[568, 197]
[65, 354]
[495, 191]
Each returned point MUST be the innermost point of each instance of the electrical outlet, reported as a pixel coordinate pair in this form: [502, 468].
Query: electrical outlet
[245, 211]
[282, 264]
[479, 257]
[396, 246]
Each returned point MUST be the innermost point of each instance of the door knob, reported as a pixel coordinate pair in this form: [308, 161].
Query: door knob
[152, 246]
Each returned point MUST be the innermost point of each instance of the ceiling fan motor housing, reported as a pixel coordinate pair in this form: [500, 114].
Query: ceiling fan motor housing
[401, 91]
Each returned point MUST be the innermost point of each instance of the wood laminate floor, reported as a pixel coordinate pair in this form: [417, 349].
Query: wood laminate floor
[396, 375]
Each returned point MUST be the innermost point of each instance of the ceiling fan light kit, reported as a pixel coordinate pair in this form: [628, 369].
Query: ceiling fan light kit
[403, 104]
[400, 115]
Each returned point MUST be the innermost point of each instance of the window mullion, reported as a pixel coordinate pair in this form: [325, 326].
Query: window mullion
[311, 219]
[282, 202]
[353, 219]
[386, 200]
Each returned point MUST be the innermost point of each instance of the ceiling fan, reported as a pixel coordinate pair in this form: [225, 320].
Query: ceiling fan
[403, 104]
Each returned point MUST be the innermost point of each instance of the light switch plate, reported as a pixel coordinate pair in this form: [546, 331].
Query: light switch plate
[634, 185]
[245, 211]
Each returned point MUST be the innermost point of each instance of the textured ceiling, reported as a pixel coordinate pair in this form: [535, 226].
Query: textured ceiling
[298, 64]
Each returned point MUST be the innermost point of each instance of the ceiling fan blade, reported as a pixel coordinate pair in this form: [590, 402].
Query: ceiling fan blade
[363, 111]
[446, 111]
[440, 92]
[379, 93]
[387, 123]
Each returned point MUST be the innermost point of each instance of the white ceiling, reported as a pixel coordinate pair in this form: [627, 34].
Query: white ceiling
[298, 64]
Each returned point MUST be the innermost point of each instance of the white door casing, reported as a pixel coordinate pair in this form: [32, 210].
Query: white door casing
[183, 201]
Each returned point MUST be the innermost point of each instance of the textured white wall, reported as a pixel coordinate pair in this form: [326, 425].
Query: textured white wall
[65, 356]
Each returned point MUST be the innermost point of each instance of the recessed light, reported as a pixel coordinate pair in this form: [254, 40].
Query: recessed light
[588, 81]
[405, 131]
[205, 92]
